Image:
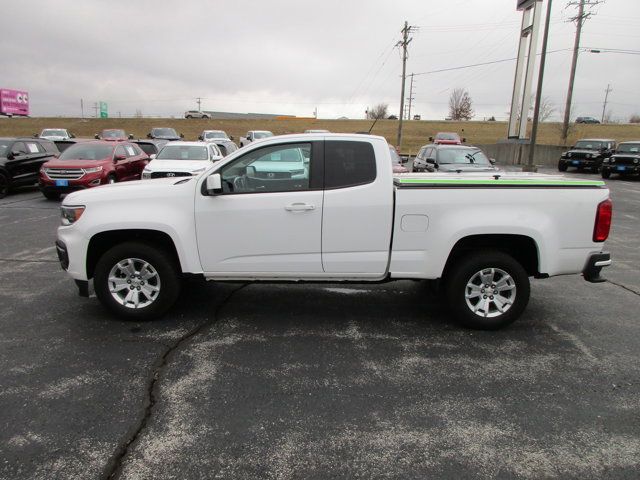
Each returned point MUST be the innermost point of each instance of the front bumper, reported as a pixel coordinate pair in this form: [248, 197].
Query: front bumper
[615, 168]
[595, 263]
[580, 162]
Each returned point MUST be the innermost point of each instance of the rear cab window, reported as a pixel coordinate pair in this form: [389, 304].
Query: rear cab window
[348, 164]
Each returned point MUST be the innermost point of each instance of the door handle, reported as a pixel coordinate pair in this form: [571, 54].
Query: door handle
[299, 207]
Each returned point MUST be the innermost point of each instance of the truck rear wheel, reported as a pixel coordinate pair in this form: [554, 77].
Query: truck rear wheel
[487, 290]
[136, 281]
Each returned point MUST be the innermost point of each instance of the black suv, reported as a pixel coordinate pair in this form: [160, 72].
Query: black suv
[588, 153]
[164, 133]
[452, 158]
[587, 120]
[21, 159]
[624, 161]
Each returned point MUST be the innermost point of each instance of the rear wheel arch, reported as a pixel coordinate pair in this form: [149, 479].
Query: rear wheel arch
[522, 248]
[101, 242]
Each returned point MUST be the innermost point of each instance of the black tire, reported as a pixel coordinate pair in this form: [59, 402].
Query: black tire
[111, 179]
[463, 273]
[595, 169]
[4, 185]
[562, 167]
[188, 116]
[52, 195]
[605, 173]
[206, 117]
[168, 280]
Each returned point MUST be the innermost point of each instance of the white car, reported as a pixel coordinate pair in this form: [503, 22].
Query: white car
[55, 134]
[196, 114]
[211, 135]
[316, 131]
[181, 159]
[345, 218]
[254, 135]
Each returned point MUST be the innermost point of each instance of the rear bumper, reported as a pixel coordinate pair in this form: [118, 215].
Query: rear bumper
[596, 262]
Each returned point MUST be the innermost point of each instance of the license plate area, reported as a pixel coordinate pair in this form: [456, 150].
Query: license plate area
[62, 183]
[621, 169]
[576, 162]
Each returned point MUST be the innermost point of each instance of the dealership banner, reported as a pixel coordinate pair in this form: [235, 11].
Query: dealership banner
[14, 102]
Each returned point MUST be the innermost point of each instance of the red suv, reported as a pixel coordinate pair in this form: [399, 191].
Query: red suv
[89, 164]
[447, 138]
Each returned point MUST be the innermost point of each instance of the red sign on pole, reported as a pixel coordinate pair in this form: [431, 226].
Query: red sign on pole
[14, 102]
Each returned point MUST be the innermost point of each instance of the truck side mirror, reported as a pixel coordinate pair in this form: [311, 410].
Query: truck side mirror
[131, 136]
[230, 137]
[431, 139]
[493, 161]
[464, 140]
[214, 184]
[96, 136]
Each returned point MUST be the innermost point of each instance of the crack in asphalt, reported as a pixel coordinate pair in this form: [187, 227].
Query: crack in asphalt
[624, 287]
[114, 465]
[20, 260]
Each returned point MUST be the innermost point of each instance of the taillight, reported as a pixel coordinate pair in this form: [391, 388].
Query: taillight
[603, 221]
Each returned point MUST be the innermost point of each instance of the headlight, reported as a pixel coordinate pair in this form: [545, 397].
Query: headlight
[606, 160]
[71, 214]
[569, 155]
[635, 160]
[93, 169]
[613, 160]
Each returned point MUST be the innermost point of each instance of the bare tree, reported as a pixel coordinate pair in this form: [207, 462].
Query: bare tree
[460, 105]
[378, 112]
[547, 109]
[635, 118]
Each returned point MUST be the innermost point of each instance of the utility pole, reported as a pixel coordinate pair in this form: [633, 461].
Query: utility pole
[410, 98]
[606, 99]
[82, 109]
[198, 100]
[530, 167]
[404, 43]
[580, 19]
[95, 109]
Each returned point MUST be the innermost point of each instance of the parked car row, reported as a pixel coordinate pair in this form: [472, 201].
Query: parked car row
[604, 156]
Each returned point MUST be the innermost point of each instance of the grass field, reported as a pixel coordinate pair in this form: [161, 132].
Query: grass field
[415, 133]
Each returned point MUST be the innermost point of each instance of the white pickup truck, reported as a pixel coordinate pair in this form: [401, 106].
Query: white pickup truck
[327, 208]
[253, 135]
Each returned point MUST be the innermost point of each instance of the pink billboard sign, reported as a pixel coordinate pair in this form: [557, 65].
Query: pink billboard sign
[14, 102]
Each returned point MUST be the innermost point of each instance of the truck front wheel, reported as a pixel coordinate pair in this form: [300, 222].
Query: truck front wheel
[487, 290]
[137, 281]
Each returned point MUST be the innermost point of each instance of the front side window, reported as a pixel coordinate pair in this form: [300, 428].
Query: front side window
[348, 163]
[120, 151]
[19, 149]
[277, 168]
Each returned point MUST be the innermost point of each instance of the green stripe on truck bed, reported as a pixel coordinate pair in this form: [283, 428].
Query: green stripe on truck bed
[497, 182]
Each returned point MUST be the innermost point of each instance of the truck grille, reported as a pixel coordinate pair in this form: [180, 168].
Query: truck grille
[169, 174]
[624, 160]
[64, 173]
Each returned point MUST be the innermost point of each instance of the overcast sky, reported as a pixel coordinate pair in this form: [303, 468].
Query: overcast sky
[289, 57]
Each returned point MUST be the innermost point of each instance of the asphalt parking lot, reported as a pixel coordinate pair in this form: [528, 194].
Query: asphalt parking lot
[315, 381]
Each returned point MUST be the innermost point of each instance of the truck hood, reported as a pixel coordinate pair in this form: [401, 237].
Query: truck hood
[584, 152]
[162, 188]
[176, 165]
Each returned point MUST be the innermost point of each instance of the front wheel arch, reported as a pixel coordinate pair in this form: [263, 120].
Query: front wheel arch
[103, 241]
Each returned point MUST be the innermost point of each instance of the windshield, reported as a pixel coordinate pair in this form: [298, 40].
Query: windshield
[164, 132]
[589, 145]
[447, 136]
[86, 152]
[4, 147]
[262, 134]
[215, 134]
[113, 134]
[629, 148]
[183, 152]
[466, 156]
[53, 133]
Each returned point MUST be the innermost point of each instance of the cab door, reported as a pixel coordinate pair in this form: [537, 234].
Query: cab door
[267, 221]
[16, 162]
